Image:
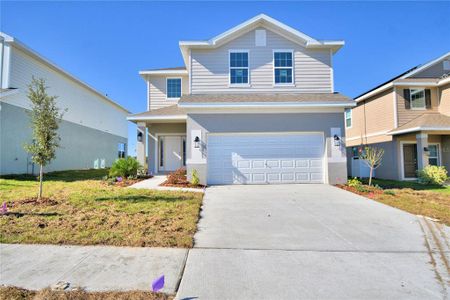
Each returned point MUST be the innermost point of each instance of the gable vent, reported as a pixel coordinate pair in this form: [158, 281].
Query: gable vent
[260, 38]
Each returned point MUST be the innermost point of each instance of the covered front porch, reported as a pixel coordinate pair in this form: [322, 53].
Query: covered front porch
[418, 150]
[161, 139]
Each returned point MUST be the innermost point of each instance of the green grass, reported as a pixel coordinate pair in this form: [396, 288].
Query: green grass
[81, 209]
[414, 185]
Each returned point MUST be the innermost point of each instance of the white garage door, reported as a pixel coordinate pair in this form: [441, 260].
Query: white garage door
[265, 158]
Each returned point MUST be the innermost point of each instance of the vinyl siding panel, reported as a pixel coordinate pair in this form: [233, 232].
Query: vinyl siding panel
[210, 68]
[84, 107]
[444, 105]
[157, 91]
[406, 115]
[371, 119]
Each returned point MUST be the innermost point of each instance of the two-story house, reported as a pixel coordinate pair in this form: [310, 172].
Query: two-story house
[253, 105]
[409, 117]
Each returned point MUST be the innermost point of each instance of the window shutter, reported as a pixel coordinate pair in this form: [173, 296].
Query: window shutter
[407, 98]
[428, 98]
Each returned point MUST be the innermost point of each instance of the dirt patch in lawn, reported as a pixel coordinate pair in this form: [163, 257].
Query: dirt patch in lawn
[15, 293]
[419, 202]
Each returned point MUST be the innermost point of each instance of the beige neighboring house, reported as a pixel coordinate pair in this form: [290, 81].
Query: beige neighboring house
[409, 117]
[253, 105]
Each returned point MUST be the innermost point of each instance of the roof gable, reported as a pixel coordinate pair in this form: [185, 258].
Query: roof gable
[264, 21]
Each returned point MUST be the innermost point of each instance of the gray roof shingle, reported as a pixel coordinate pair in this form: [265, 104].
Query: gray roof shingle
[267, 97]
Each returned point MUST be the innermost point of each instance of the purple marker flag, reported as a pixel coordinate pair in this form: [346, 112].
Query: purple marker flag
[158, 283]
[4, 208]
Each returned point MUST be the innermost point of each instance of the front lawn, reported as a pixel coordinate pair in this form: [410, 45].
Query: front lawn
[431, 201]
[81, 209]
[414, 185]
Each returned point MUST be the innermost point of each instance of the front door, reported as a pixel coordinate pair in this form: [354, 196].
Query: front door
[410, 160]
[172, 150]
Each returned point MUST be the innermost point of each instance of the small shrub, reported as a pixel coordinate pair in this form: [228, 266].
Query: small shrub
[354, 182]
[177, 177]
[124, 167]
[195, 179]
[361, 188]
[389, 192]
[433, 175]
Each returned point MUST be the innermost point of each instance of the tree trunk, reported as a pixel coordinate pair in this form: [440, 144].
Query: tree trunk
[41, 175]
[370, 176]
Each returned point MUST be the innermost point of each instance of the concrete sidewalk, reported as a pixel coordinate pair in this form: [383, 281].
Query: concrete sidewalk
[154, 184]
[94, 268]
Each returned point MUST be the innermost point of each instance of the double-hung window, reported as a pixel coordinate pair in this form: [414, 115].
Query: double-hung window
[283, 67]
[417, 98]
[173, 88]
[433, 155]
[238, 67]
[348, 118]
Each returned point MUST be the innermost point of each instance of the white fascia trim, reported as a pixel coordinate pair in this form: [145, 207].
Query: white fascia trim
[426, 65]
[419, 129]
[374, 92]
[150, 118]
[164, 72]
[444, 81]
[309, 41]
[416, 83]
[263, 104]
[19, 45]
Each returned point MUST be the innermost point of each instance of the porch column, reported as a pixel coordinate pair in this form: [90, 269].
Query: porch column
[422, 156]
[141, 143]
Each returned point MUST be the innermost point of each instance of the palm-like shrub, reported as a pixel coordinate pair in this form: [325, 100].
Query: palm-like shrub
[433, 175]
[124, 167]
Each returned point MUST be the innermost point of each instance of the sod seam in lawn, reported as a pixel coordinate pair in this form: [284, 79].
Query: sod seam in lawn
[85, 211]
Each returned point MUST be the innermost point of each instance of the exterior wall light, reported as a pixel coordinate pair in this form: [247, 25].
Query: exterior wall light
[337, 140]
[197, 142]
[426, 150]
[139, 136]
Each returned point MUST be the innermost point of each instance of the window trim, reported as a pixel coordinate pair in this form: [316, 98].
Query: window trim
[167, 90]
[439, 156]
[351, 117]
[292, 67]
[424, 99]
[229, 67]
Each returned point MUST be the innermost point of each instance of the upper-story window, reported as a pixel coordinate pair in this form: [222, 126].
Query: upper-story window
[348, 118]
[173, 88]
[283, 67]
[239, 67]
[418, 98]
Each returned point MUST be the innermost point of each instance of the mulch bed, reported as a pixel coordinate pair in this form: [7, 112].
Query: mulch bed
[186, 184]
[128, 182]
[368, 191]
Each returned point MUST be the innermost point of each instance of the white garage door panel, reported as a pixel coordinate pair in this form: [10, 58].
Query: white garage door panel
[265, 158]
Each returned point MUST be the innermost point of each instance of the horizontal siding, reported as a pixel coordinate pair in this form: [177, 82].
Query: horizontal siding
[157, 91]
[210, 69]
[444, 97]
[84, 107]
[406, 115]
[370, 119]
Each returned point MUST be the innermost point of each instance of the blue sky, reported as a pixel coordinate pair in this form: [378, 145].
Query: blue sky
[106, 43]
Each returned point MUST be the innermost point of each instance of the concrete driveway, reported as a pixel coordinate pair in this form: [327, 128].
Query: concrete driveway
[312, 241]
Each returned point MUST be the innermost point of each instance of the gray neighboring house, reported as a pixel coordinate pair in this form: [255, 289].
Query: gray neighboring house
[93, 130]
[253, 105]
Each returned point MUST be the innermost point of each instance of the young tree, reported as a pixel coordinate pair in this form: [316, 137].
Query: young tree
[372, 156]
[45, 118]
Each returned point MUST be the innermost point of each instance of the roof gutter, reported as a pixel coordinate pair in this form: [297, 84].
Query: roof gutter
[262, 104]
[157, 118]
[414, 129]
